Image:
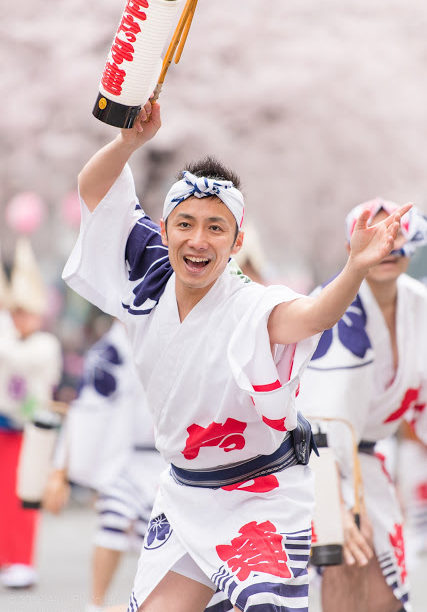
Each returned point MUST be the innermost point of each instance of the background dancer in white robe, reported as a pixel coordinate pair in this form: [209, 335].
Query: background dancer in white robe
[220, 361]
[30, 368]
[371, 370]
[412, 492]
[107, 443]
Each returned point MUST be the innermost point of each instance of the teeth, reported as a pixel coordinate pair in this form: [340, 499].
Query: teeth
[197, 259]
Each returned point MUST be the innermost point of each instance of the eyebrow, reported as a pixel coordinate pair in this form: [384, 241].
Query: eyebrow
[210, 219]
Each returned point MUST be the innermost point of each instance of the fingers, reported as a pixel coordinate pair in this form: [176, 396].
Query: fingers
[362, 221]
[405, 208]
[150, 112]
[396, 216]
[357, 550]
[357, 553]
[155, 113]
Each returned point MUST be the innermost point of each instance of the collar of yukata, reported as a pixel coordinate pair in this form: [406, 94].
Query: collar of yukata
[413, 224]
[202, 187]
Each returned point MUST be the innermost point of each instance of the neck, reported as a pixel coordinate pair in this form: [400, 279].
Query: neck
[188, 297]
[385, 293]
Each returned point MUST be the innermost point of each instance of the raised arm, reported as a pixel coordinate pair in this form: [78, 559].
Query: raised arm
[293, 321]
[102, 170]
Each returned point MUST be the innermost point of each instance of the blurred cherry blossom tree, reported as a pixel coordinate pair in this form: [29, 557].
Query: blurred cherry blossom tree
[318, 105]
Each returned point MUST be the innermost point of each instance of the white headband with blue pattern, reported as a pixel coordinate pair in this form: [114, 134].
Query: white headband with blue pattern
[202, 187]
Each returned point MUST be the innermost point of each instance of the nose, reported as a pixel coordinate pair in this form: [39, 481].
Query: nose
[198, 240]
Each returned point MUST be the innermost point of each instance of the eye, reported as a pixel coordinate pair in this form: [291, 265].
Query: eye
[216, 228]
[184, 224]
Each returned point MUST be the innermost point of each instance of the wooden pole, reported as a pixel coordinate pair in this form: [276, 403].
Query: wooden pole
[181, 30]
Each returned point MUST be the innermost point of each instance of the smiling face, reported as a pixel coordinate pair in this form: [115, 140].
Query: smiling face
[200, 234]
[391, 266]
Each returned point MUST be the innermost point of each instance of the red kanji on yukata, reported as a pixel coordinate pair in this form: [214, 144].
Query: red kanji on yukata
[258, 549]
[313, 534]
[421, 492]
[409, 400]
[396, 540]
[262, 484]
[228, 436]
[382, 460]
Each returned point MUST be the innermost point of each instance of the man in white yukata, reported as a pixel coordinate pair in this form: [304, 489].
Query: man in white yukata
[370, 370]
[220, 361]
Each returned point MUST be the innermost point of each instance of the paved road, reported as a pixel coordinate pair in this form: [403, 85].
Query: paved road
[64, 558]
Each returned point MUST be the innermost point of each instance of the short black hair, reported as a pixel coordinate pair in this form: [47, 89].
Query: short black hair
[211, 168]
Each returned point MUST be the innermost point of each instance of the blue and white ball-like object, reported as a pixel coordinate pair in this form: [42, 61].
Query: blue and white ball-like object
[134, 62]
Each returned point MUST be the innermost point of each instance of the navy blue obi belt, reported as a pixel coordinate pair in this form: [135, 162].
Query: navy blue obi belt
[294, 450]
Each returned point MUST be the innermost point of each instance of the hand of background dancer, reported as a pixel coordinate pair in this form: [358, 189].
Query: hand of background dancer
[357, 542]
[370, 244]
[57, 492]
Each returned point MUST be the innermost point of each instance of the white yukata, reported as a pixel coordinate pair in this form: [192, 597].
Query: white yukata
[107, 442]
[351, 376]
[412, 487]
[218, 398]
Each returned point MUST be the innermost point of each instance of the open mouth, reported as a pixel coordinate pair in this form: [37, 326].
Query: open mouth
[195, 264]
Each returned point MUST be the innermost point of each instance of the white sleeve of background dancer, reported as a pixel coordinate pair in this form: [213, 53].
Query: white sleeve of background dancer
[342, 395]
[96, 268]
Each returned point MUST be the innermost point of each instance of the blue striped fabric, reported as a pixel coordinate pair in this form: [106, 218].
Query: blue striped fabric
[269, 595]
[390, 572]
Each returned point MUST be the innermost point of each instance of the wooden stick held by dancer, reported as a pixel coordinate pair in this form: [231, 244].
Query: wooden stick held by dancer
[177, 44]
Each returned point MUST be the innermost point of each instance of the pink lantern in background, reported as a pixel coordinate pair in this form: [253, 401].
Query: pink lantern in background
[71, 209]
[25, 212]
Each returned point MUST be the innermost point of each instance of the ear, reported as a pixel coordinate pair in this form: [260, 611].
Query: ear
[347, 246]
[238, 243]
[163, 232]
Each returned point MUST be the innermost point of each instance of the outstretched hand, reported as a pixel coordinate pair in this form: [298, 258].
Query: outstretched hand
[145, 126]
[370, 244]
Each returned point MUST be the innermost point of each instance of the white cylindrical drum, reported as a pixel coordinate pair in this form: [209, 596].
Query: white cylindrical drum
[328, 535]
[134, 61]
[35, 460]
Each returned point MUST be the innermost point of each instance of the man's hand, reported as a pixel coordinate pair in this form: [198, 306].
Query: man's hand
[145, 126]
[357, 542]
[370, 244]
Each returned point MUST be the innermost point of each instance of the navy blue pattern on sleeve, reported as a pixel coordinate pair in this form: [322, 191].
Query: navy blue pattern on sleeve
[351, 332]
[100, 367]
[148, 266]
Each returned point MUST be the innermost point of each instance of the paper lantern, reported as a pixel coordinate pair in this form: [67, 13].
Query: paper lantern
[134, 62]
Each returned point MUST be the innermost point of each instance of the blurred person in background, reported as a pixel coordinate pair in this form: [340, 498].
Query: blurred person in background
[107, 444]
[238, 495]
[30, 368]
[251, 258]
[412, 489]
[370, 369]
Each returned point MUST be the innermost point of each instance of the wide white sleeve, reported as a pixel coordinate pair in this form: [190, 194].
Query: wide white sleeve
[96, 268]
[270, 377]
